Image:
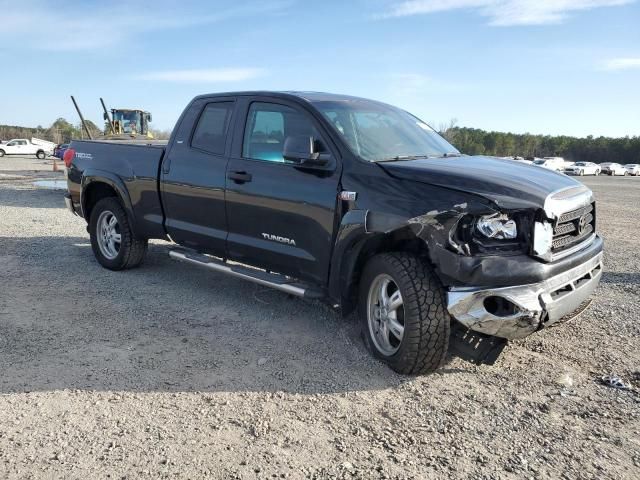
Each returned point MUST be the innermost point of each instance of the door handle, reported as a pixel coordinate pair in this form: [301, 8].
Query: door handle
[239, 177]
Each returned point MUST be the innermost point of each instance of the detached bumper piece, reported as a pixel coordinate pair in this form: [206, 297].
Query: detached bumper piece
[516, 312]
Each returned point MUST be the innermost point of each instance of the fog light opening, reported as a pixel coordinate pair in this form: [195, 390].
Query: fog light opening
[500, 306]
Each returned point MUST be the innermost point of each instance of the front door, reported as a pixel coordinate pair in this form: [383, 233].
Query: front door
[193, 177]
[280, 215]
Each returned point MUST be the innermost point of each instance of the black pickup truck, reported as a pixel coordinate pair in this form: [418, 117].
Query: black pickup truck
[351, 201]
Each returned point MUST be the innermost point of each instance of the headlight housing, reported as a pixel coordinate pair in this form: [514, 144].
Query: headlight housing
[492, 233]
[497, 226]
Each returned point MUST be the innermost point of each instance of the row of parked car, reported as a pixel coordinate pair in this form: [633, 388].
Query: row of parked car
[35, 146]
[590, 168]
[559, 164]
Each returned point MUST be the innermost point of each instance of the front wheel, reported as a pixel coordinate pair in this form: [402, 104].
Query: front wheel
[582, 173]
[597, 173]
[402, 313]
[112, 240]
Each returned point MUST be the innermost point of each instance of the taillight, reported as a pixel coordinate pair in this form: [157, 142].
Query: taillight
[68, 157]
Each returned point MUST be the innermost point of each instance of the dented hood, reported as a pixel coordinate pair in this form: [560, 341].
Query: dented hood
[507, 183]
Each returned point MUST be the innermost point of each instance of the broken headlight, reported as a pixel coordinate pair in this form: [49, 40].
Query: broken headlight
[492, 233]
[497, 226]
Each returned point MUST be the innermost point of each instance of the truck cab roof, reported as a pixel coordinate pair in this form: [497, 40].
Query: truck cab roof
[308, 96]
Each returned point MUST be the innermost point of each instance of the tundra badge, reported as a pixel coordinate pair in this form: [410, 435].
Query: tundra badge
[277, 238]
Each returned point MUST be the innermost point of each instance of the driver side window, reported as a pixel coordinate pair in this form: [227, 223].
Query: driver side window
[268, 126]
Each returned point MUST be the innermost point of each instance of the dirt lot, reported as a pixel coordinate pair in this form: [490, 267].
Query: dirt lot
[172, 372]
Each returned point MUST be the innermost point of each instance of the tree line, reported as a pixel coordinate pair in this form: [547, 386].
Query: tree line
[474, 141]
[62, 131]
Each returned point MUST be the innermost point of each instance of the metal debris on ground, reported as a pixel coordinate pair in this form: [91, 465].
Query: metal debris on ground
[614, 381]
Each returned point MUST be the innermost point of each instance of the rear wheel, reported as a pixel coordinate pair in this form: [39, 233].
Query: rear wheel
[40, 154]
[402, 312]
[112, 240]
[1, 153]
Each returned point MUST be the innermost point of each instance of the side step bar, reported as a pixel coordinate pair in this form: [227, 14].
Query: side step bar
[273, 280]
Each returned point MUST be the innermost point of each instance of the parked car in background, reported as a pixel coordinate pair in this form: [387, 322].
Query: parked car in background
[612, 169]
[22, 146]
[552, 163]
[632, 169]
[60, 149]
[519, 159]
[583, 168]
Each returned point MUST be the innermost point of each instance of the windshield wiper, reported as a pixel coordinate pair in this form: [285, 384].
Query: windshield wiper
[398, 158]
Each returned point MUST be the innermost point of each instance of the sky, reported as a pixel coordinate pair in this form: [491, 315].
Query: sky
[563, 67]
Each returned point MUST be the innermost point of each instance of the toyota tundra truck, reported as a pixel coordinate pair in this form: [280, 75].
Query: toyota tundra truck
[354, 202]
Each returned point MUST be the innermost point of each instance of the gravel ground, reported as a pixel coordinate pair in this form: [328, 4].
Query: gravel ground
[172, 372]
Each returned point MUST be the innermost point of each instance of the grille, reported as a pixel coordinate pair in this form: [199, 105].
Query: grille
[574, 227]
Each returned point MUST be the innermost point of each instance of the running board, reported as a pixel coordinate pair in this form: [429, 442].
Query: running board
[273, 280]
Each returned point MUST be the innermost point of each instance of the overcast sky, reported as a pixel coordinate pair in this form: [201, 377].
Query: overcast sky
[554, 67]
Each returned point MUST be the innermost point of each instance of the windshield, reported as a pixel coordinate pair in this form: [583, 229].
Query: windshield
[378, 132]
[581, 164]
[129, 121]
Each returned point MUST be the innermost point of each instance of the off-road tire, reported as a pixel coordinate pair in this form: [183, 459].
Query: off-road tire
[132, 250]
[427, 323]
[40, 154]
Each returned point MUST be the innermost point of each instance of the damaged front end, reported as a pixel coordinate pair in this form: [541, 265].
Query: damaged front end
[497, 283]
[516, 312]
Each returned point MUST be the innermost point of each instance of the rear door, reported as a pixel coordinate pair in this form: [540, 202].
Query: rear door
[193, 176]
[280, 215]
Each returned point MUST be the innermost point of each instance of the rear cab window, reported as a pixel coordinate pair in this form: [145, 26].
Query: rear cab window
[211, 131]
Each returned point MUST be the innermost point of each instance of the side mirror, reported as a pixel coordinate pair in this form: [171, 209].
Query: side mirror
[301, 149]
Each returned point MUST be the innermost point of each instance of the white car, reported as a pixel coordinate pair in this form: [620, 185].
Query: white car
[583, 168]
[613, 169]
[632, 169]
[552, 163]
[22, 146]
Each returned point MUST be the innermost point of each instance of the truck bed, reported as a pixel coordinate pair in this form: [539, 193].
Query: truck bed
[133, 168]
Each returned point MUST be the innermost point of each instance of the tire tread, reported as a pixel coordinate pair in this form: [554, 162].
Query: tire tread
[134, 249]
[427, 322]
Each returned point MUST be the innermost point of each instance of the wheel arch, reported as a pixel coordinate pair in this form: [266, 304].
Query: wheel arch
[96, 186]
[363, 234]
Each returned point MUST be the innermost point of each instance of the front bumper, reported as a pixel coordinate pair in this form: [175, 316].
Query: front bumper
[531, 307]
